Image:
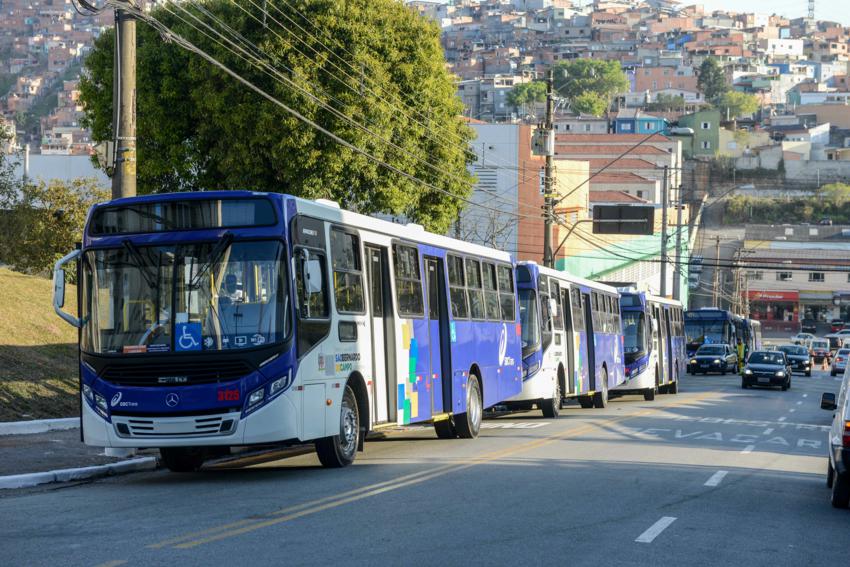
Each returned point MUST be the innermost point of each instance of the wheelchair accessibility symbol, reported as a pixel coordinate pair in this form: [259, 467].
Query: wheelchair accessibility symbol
[188, 336]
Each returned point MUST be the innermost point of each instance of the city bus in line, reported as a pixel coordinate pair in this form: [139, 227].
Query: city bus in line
[220, 319]
[749, 330]
[572, 344]
[654, 344]
[709, 325]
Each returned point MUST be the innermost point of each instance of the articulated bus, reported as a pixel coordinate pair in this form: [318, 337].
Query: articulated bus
[709, 325]
[572, 343]
[221, 319]
[749, 331]
[654, 344]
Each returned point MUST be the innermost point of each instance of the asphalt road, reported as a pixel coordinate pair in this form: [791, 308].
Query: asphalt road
[716, 475]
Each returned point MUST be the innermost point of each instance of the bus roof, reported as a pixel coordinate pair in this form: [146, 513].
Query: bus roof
[570, 278]
[708, 313]
[654, 298]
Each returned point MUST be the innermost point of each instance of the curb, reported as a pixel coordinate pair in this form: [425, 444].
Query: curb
[38, 426]
[84, 473]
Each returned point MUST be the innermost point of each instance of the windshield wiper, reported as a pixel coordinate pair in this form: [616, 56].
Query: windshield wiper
[136, 255]
[213, 258]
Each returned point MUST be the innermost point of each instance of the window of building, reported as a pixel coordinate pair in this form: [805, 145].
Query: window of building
[626, 127]
[755, 275]
[640, 194]
[817, 277]
[783, 276]
[705, 144]
[706, 125]
[587, 127]
[347, 272]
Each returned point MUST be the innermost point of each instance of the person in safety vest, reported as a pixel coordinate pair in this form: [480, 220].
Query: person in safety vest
[741, 349]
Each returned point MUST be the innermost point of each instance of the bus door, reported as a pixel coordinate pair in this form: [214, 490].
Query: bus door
[383, 335]
[661, 340]
[569, 339]
[591, 343]
[439, 379]
[668, 344]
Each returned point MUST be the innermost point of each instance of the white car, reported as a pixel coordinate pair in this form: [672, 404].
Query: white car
[838, 464]
[802, 338]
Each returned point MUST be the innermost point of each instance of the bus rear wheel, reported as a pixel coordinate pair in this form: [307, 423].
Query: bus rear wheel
[468, 424]
[445, 429]
[182, 459]
[338, 451]
[600, 398]
[551, 408]
[585, 401]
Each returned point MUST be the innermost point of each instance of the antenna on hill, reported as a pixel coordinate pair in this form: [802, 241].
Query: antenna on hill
[811, 9]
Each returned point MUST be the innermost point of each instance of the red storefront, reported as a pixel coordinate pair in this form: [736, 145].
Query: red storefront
[777, 310]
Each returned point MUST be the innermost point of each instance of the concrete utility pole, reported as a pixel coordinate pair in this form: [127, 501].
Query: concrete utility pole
[548, 200]
[677, 275]
[124, 102]
[716, 270]
[664, 232]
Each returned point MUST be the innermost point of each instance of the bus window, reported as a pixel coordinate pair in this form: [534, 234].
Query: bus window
[545, 321]
[491, 291]
[310, 284]
[506, 293]
[528, 322]
[578, 313]
[408, 282]
[457, 288]
[558, 316]
[473, 285]
[347, 272]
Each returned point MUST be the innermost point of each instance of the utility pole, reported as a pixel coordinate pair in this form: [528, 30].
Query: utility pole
[124, 102]
[664, 232]
[716, 270]
[677, 275]
[548, 201]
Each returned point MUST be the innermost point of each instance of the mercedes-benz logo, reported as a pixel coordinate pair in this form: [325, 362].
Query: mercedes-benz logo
[172, 399]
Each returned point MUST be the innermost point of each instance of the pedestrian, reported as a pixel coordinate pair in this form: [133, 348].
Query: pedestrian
[741, 352]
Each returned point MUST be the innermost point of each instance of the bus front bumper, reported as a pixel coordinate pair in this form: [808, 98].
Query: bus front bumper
[275, 421]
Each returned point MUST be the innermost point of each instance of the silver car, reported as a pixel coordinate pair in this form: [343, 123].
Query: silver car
[838, 465]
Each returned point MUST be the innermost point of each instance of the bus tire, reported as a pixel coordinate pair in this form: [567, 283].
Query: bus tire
[468, 424]
[649, 394]
[445, 429]
[551, 407]
[339, 450]
[600, 398]
[182, 459]
[585, 402]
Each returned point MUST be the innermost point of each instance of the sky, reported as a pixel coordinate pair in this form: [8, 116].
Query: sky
[833, 10]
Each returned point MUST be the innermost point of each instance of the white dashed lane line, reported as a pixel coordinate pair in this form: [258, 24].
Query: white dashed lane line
[805, 395]
[768, 431]
[748, 449]
[792, 410]
[781, 418]
[655, 529]
[716, 478]
[799, 403]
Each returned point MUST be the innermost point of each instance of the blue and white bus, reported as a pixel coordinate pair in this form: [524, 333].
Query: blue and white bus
[654, 344]
[572, 344]
[220, 319]
[709, 325]
[749, 331]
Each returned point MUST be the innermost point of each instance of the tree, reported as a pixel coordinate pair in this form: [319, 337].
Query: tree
[524, 96]
[44, 222]
[734, 104]
[711, 80]
[589, 103]
[666, 103]
[8, 162]
[374, 61]
[576, 77]
[837, 194]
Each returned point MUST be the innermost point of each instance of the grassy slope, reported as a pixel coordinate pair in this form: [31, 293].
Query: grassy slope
[38, 360]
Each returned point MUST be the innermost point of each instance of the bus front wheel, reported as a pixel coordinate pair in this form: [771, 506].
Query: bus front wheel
[468, 424]
[551, 408]
[600, 398]
[182, 459]
[338, 451]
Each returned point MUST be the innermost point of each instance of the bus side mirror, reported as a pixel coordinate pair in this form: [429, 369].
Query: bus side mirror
[59, 287]
[313, 276]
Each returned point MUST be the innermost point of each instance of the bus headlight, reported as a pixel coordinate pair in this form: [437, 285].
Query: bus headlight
[531, 370]
[88, 393]
[280, 384]
[256, 397]
[101, 402]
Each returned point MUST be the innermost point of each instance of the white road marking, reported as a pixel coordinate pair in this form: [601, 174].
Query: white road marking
[781, 418]
[655, 529]
[805, 395]
[768, 431]
[792, 410]
[748, 449]
[799, 403]
[716, 478]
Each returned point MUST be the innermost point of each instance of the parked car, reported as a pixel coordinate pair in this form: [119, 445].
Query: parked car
[798, 357]
[820, 351]
[766, 368]
[838, 463]
[839, 363]
[802, 338]
[713, 358]
[836, 325]
[826, 221]
[809, 326]
[844, 332]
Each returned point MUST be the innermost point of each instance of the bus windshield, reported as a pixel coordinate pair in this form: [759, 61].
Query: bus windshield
[193, 297]
[634, 335]
[528, 321]
[701, 332]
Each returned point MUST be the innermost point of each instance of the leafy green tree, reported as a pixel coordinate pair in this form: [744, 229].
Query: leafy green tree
[666, 103]
[44, 220]
[590, 103]
[836, 194]
[524, 96]
[735, 104]
[711, 80]
[577, 77]
[375, 61]
[8, 182]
